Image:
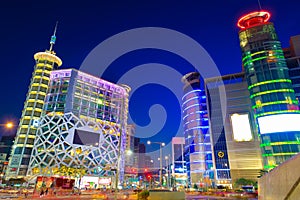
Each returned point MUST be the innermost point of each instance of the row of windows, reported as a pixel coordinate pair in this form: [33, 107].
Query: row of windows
[294, 73]
[264, 65]
[271, 86]
[35, 104]
[278, 137]
[270, 108]
[56, 98]
[281, 149]
[46, 62]
[27, 151]
[296, 81]
[277, 159]
[29, 130]
[267, 75]
[40, 80]
[32, 113]
[22, 141]
[272, 97]
[223, 174]
[37, 96]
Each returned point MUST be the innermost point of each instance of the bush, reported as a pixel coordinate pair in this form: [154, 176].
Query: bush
[195, 186]
[143, 195]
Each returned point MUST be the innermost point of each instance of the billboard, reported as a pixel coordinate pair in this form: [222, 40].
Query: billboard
[279, 123]
[241, 127]
[87, 138]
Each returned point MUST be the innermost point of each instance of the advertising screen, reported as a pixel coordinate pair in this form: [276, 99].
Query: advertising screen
[241, 127]
[279, 123]
[85, 137]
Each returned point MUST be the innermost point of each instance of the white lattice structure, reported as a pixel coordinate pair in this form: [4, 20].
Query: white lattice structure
[58, 141]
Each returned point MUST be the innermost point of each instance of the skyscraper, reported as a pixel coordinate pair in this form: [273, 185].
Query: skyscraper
[236, 150]
[84, 122]
[272, 95]
[32, 111]
[198, 153]
[292, 56]
[179, 164]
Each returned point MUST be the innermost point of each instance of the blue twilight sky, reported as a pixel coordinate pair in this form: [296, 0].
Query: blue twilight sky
[26, 27]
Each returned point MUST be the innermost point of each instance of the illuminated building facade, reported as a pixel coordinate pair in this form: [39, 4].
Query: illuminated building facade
[198, 153]
[179, 172]
[235, 141]
[129, 148]
[272, 96]
[84, 119]
[292, 56]
[32, 111]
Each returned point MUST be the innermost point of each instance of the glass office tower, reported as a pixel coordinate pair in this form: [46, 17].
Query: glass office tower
[32, 111]
[198, 153]
[272, 95]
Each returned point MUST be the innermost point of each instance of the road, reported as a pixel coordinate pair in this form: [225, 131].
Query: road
[108, 196]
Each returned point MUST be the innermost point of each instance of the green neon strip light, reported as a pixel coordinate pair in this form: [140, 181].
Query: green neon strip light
[260, 58]
[253, 54]
[279, 154]
[259, 52]
[275, 102]
[270, 166]
[270, 81]
[279, 143]
[271, 91]
[277, 112]
[256, 59]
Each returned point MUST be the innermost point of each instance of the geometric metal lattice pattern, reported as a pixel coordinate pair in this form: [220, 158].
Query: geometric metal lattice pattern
[66, 140]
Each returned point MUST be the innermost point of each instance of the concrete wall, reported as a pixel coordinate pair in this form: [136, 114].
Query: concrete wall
[154, 195]
[281, 183]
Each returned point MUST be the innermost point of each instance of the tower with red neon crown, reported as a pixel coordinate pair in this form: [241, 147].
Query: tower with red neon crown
[272, 96]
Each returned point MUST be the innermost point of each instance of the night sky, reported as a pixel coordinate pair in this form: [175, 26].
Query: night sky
[26, 28]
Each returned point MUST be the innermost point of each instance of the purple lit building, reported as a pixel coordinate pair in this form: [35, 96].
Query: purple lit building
[83, 120]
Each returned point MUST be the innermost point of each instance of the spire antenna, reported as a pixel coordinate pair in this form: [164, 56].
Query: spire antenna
[53, 37]
[258, 1]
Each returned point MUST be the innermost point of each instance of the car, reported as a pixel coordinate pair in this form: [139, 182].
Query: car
[76, 191]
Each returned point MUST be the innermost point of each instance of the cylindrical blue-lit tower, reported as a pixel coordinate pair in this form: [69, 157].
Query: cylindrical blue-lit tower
[271, 92]
[198, 153]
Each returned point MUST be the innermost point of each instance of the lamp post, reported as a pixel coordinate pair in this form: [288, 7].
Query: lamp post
[167, 158]
[122, 126]
[161, 144]
[8, 125]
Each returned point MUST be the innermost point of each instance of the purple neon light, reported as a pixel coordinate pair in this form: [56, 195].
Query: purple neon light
[89, 78]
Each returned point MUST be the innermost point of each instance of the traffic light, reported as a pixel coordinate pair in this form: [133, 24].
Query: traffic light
[148, 176]
[145, 170]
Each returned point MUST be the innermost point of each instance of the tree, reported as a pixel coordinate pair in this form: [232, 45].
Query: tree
[242, 181]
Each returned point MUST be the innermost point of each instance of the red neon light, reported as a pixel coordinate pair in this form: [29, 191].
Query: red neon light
[254, 18]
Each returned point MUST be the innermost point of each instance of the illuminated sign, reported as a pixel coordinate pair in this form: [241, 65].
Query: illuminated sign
[104, 181]
[241, 127]
[279, 123]
[221, 154]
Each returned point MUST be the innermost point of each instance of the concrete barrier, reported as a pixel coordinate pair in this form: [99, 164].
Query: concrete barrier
[158, 195]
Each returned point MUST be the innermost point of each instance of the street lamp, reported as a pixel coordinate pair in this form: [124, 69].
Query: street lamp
[161, 144]
[8, 125]
[167, 158]
[129, 152]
